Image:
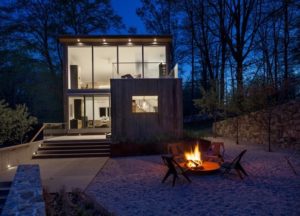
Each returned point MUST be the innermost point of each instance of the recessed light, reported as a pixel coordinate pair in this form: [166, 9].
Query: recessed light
[129, 41]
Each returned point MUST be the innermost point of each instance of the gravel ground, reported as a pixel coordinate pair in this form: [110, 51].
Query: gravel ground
[132, 186]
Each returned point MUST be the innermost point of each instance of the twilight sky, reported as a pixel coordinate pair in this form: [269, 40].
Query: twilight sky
[126, 9]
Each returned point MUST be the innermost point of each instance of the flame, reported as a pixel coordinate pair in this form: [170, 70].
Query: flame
[193, 157]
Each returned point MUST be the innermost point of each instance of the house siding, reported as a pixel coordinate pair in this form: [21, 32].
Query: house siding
[129, 126]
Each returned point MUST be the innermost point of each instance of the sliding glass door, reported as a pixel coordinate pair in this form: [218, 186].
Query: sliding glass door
[89, 112]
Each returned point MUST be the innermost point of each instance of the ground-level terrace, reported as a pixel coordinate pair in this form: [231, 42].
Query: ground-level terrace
[132, 185]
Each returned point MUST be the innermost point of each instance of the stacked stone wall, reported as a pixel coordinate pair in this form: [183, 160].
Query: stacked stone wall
[26, 194]
[253, 128]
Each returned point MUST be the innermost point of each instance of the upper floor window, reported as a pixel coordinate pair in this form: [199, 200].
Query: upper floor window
[130, 61]
[105, 59]
[154, 61]
[80, 68]
[92, 67]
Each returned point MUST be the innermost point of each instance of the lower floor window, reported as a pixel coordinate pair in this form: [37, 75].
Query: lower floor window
[89, 112]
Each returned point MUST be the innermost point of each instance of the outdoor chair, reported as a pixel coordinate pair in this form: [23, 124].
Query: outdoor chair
[173, 168]
[216, 152]
[235, 164]
[177, 151]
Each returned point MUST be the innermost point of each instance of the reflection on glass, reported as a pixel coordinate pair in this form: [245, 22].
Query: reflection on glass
[144, 104]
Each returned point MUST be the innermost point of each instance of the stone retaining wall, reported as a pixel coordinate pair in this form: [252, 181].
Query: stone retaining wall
[253, 128]
[26, 194]
[15, 155]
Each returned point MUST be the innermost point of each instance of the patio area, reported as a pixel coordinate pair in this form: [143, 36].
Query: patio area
[132, 186]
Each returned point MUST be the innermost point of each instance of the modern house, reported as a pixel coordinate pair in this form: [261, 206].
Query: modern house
[121, 85]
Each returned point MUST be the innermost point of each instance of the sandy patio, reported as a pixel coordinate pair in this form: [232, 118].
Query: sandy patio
[132, 186]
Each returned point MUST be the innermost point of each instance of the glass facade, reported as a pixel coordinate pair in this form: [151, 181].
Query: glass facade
[92, 67]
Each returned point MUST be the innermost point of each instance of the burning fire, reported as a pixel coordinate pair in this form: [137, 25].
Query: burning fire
[193, 157]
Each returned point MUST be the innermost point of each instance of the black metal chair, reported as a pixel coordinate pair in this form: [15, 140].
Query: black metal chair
[235, 164]
[173, 168]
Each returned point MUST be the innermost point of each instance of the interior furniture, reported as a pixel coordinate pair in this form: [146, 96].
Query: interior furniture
[236, 165]
[173, 169]
[177, 151]
[74, 76]
[163, 70]
[75, 124]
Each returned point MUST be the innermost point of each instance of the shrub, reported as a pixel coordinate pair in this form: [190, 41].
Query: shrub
[15, 123]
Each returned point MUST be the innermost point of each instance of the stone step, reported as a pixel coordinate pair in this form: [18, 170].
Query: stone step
[73, 151]
[5, 184]
[62, 147]
[73, 155]
[84, 141]
[73, 144]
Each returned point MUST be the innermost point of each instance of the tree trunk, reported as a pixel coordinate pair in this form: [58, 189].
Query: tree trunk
[240, 85]
[237, 130]
[285, 47]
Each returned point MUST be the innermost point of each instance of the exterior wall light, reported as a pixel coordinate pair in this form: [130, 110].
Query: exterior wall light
[154, 41]
[78, 40]
[8, 166]
[104, 41]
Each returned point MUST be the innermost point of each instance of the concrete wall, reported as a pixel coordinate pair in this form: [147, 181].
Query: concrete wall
[253, 128]
[26, 193]
[129, 126]
[16, 155]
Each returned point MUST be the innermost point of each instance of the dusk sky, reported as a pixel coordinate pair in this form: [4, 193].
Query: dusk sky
[126, 9]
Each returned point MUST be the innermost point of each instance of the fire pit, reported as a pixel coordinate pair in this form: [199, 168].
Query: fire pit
[195, 164]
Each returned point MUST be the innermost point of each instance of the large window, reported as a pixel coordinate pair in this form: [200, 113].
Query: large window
[105, 58]
[144, 104]
[130, 61]
[154, 61]
[80, 68]
[93, 67]
[89, 112]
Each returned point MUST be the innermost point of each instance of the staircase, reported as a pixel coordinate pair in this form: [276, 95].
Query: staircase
[4, 190]
[73, 148]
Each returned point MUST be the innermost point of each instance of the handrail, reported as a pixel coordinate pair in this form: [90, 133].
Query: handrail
[38, 133]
